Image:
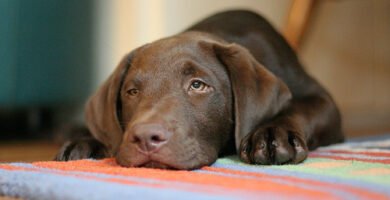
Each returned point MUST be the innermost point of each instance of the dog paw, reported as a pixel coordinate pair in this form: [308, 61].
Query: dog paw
[81, 149]
[273, 145]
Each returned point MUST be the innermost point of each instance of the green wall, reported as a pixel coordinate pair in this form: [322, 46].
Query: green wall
[45, 52]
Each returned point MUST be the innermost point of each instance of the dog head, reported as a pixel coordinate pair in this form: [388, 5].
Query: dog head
[179, 102]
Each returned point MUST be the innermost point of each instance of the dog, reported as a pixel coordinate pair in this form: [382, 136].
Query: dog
[228, 84]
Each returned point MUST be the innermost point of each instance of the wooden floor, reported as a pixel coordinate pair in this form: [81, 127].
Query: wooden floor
[27, 151]
[7, 198]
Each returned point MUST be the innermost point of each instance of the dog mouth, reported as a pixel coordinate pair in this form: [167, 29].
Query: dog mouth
[156, 165]
[144, 161]
[163, 160]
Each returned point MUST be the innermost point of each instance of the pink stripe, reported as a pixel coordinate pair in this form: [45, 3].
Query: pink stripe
[381, 154]
[335, 157]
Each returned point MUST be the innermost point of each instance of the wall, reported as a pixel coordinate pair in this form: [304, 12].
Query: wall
[123, 25]
[44, 53]
[347, 48]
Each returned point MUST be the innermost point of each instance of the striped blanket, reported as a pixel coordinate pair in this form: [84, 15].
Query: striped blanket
[353, 170]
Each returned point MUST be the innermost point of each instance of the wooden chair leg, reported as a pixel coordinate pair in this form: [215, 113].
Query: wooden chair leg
[297, 20]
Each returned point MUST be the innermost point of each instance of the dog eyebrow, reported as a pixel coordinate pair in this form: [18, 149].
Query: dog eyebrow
[189, 69]
[192, 69]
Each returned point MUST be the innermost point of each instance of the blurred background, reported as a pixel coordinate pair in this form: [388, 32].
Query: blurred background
[54, 54]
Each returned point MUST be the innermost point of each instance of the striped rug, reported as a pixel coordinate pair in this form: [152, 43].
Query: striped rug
[357, 169]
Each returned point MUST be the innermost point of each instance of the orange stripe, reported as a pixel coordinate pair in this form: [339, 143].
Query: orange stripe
[326, 186]
[315, 155]
[10, 167]
[382, 154]
[107, 166]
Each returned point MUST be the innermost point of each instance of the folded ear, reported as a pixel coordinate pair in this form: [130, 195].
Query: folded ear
[102, 112]
[258, 93]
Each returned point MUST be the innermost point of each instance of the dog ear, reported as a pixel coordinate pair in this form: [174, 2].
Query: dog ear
[258, 93]
[102, 111]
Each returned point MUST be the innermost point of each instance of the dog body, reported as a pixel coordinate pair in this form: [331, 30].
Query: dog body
[229, 84]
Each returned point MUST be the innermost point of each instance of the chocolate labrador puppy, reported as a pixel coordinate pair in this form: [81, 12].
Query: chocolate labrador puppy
[229, 84]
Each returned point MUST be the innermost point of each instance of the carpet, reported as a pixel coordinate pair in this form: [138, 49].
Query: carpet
[358, 169]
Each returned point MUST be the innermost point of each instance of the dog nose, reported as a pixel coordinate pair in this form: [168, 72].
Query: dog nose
[150, 137]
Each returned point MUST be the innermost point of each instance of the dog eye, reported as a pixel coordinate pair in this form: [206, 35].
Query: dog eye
[132, 92]
[198, 86]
